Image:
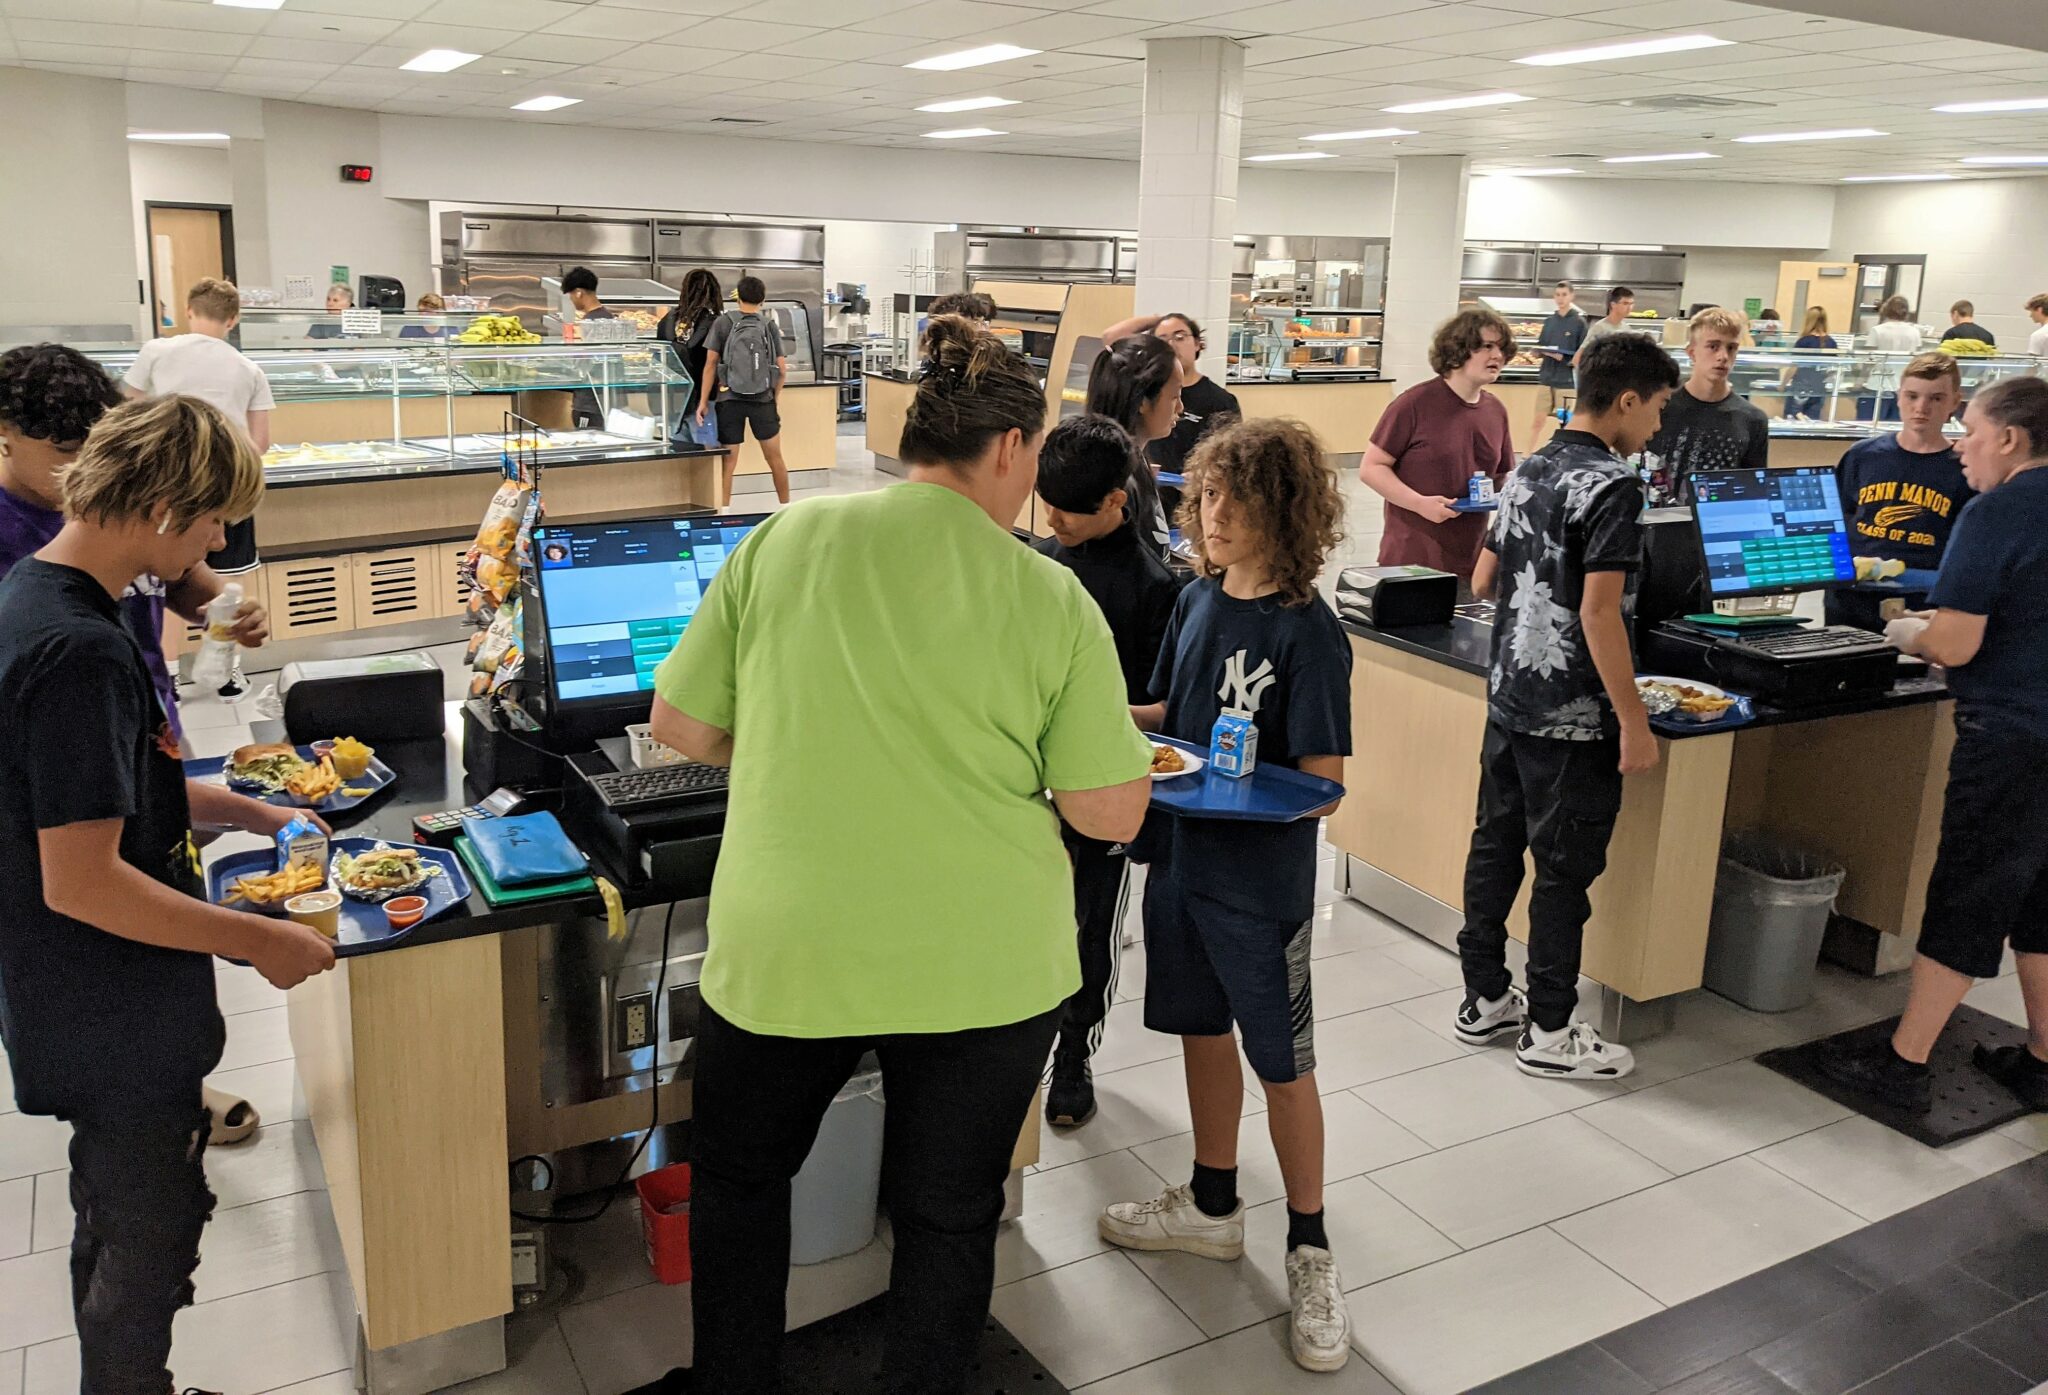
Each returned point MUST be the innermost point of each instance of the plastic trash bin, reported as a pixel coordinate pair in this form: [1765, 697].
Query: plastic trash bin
[1771, 907]
[835, 1197]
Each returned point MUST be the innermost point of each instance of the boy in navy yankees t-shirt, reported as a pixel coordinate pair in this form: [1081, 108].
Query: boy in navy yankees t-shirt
[1228, 903]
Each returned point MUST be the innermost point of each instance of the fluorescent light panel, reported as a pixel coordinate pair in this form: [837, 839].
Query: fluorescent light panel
[1784, 137]
[1657, 159]
[1378, 133]
[1894, 178]
[1293, 155]
[438, 60]
[1635, 48]
[545, 103]
[177, 135]
[963, 133]
[2009, 104]
[2005, 159]
[1482, 99]
[969, 104]
[972, 57]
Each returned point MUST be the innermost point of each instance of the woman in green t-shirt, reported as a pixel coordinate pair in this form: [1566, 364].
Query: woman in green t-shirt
[896, 683]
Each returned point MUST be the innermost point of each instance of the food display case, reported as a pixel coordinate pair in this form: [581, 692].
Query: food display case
[277, 327]
[1525, 316]
[1294, 344]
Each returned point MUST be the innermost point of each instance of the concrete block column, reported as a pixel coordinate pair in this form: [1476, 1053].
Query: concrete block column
[1187, 183]
[1424, 260]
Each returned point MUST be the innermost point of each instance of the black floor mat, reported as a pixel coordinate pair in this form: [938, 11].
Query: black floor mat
[842, 1355]
[1967, 1102]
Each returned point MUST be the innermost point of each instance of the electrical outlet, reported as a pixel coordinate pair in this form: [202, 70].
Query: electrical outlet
[634, 1025]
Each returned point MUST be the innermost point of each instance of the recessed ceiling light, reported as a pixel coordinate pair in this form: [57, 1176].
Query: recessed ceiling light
[2005, 160]
[1483, 99]
[963, 133]
[251, 4]
[177, 135]
[439, 60]
[969, 104]
[2009, 104]
[972, 57]
[545, 103]
[1781, 137]
[1894, 178]
[1294, 155]
[1375, 134]
[1528, 174]
[1638, 48]
[1657, 159]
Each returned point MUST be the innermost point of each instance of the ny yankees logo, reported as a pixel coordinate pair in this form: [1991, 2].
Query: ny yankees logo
[1243, 691]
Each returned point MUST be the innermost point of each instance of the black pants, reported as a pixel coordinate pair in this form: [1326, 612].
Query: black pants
[139, 1193]
[956, 1101]
[1557, 800]
[1101, 872]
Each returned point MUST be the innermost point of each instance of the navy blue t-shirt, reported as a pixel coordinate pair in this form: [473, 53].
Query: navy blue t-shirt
[1290, 667]
[1997, 567]
[1901, 503]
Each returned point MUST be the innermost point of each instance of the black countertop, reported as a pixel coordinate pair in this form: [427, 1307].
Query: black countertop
[1466, 645]
[1315, 381]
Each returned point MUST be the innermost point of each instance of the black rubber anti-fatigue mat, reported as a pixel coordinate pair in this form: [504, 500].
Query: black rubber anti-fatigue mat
[1967, 1102]
[842, 1355]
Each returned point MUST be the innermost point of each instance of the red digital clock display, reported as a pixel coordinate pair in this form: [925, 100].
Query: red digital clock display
[355, 174]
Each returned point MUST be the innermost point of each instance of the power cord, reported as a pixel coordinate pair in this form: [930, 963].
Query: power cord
[611, 1192]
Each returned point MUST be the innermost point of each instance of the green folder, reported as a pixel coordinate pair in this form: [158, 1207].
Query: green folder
[512, 896]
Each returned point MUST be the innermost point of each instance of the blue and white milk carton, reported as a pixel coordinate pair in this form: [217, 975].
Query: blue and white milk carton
[1234, 744]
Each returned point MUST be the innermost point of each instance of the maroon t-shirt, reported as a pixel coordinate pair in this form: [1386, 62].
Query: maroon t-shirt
[1439, 441]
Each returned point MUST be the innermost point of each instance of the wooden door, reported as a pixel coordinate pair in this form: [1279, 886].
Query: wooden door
[1802, 285]
[185, 244]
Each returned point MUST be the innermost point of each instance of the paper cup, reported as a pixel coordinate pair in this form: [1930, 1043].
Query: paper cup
[321, 910]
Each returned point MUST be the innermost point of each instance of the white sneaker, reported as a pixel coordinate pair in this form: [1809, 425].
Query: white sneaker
[1320, 1331]
[1579, 1053]
[1479, 1024]
[1172, 1221]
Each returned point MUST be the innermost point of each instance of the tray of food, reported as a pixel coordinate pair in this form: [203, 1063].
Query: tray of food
[307, 454]
[331, 776]
[1689, 702]
[1270, 794]
[1172, 762]
[386, 890]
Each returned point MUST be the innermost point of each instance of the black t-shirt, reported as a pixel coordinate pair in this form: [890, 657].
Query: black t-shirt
[1969, 329]
[1997, 567]
[89, 1017]
[689, 345]
[1726, 435]
[1203, 406]
[1136, 592]
[1290, 667]
[1901, 503]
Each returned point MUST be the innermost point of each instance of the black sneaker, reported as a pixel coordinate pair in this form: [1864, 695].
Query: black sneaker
[1070, 1098]
[1876, 1070]
[2018, 1070]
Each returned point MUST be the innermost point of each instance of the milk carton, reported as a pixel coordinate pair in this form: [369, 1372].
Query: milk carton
[1234, 744]
[302, 841]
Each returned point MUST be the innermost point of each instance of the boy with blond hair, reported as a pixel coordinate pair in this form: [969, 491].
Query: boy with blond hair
[1707, 424]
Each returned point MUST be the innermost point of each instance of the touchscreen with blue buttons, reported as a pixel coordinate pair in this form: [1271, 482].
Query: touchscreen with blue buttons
[1771, 531]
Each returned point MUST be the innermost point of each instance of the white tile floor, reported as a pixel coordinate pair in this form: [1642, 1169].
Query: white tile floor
[1483, 1220]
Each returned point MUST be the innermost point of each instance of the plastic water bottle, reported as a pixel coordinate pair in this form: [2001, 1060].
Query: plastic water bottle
[215, 663]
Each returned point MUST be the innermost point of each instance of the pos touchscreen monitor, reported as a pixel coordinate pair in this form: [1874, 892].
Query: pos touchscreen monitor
[613, 600]
[1769, 532]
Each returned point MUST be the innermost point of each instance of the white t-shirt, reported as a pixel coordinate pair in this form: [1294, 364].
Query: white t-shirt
[199, 365]
[2037, 342]
[1892, 337]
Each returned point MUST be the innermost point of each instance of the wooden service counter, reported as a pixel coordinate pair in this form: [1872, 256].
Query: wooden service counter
[810, 438]
[1860, 784]
[1341, 412]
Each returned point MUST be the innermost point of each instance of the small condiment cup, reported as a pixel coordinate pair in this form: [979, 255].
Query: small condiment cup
[404, 912]
[320, 910]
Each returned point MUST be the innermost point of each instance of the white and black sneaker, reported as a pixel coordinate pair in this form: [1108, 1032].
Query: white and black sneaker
[1319, 1333]
[1172, 1221]
[1481, 1022]
[1576, 1053]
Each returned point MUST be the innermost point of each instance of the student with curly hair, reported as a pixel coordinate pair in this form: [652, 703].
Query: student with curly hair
[1434, 438]
[1228, 903]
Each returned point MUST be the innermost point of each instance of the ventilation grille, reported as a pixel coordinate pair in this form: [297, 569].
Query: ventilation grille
[1683, 101]
[739, 121]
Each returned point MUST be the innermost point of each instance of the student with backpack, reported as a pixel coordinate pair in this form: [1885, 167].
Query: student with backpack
[744, 357]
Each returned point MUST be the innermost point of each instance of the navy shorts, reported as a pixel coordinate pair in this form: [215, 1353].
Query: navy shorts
[1210, 966]
[1990, 879]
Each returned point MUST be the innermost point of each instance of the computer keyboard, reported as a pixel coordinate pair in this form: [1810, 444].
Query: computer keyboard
[624, 791]
[1830, 641]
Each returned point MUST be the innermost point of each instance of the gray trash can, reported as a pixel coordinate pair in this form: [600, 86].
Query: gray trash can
[835, 1197]
[1771, 907]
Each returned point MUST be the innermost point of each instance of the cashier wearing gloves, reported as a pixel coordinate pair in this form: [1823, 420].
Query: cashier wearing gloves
[896, 684]
[1989, 629]
[1434, 438]
[107, 995]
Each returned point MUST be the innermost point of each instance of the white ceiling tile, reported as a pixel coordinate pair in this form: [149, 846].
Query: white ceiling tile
[468, 38]
[291, 24]
[639, 25]
[303, 50]
[1164, 11]
[376, 9]
[848, 45]
[92, 70]
[947, 19]
[187, 14]
[90, 11]
[1069, 31]
[1295, 16]
[560, 48]
[497, 14]
[741, 35]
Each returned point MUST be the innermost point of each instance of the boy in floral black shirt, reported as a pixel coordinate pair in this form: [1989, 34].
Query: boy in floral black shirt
[1564, 723]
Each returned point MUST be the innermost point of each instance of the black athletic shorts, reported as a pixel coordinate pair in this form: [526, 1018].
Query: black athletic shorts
[239, 554]
[736, 414]
[1990, 880]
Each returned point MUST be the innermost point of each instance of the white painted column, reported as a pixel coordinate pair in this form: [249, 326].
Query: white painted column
[1187, 183]
[1424, 260]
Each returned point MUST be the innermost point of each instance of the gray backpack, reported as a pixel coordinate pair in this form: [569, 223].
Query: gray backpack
[746, 366]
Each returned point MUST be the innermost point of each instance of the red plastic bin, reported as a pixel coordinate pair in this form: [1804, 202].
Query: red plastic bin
[665, 1221]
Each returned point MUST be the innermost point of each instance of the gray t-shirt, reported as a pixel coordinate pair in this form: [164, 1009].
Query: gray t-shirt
[721, 331]
[1599, 329]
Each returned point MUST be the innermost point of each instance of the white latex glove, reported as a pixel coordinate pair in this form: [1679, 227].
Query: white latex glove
[1904, 633]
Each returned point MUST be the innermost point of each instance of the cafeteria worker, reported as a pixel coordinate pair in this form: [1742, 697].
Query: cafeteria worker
[896, 684]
